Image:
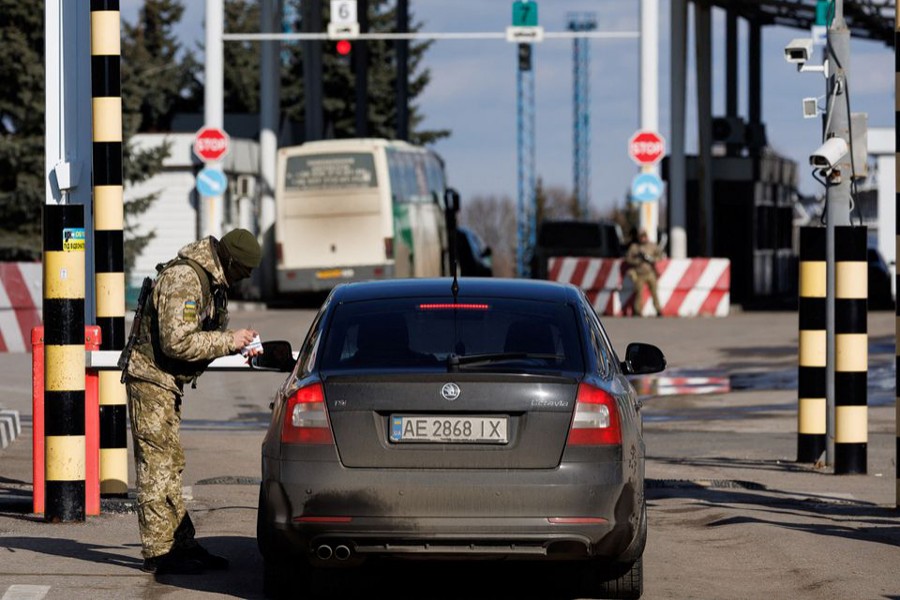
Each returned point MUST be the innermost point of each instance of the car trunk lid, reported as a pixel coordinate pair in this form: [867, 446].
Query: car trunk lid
[450, 420]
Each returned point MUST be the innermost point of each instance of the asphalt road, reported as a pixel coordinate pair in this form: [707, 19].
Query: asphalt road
[732, 515]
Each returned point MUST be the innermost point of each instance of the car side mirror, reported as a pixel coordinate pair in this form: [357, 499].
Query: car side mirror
[276, 356]
[642, 359]
[451, 200]
[487, 253]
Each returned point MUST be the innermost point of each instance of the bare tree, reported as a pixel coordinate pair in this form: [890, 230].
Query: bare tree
[493, 218]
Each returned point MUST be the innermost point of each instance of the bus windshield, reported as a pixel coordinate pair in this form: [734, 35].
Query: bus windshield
[330, 172]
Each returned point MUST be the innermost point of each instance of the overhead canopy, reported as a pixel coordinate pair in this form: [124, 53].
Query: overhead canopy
[867, 19]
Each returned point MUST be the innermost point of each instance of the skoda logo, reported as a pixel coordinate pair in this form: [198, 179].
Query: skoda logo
[450, 391]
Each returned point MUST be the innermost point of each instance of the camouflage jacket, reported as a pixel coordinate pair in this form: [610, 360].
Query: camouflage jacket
[642, 258]
[183, 330]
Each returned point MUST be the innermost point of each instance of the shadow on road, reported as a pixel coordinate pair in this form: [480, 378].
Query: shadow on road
[823, 514]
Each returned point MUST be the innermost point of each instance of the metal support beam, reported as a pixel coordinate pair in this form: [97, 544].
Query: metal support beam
[703, 34]
[677, 213]
[270, 118]
[837, 196]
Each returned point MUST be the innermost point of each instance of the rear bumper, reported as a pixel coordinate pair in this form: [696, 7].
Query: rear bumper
[576, 512]
[325, 278]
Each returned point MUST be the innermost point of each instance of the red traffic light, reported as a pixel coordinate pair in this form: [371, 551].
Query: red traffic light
[344, 47]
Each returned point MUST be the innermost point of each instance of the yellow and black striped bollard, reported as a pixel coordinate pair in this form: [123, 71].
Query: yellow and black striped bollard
[851, 350]
[64, 286]
[812, 370]
[109, 239]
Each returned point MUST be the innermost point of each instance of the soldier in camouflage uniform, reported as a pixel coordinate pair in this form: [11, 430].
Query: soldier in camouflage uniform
[640, 261]
[183, 329]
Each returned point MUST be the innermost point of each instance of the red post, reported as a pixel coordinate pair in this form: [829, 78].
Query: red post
[92, 340]
[91, 423]
[37, 411]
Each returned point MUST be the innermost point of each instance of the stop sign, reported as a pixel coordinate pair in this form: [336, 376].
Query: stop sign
[646, 147]
[211, 143]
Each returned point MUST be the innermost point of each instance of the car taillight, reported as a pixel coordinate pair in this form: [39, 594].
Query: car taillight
[596, 421]
[305, 419]
[279, 253]
[389, 248]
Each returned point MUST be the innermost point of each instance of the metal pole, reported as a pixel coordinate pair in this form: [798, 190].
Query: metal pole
[65, 244]
[211, 209]
[703, 35]
[837, 196]
[402, 49]
[677, 214]
[897, 255]
[649, 92]
[361, 72]
[268, 145]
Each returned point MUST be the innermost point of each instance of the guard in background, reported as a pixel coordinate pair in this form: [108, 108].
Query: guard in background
[640, 261]
[182, 330]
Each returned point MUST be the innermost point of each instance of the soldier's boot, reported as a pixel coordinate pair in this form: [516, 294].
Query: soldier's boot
[172, 563]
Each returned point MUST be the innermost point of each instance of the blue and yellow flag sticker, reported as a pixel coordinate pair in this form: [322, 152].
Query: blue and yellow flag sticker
[190, 311]
[73, 239]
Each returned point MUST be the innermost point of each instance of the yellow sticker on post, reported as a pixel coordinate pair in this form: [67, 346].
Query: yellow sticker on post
[73, 239]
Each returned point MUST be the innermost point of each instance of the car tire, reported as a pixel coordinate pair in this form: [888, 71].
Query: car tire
[621, 582]
[277, 580]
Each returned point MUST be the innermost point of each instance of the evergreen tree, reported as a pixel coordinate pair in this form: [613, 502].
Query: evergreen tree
[242, 59]
[159, 71]
[157, 81]
[339, 82]
[22, 160]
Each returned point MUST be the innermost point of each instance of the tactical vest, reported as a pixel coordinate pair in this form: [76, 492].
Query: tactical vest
[213, 300]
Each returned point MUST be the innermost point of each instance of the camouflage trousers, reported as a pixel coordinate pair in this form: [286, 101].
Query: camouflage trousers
[639, 280]
[159, 462]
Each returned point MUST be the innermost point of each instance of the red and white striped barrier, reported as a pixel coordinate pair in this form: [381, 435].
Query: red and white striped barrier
[686, 287]
[21, 299]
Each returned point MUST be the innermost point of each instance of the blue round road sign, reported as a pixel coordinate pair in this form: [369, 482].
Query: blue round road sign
[211, 182]
[646, 187]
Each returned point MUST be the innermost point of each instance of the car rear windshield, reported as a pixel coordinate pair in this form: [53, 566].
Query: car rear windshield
[497, 335]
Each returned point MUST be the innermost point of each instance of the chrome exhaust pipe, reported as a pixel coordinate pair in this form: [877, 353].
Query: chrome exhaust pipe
[323, 552]
[342, 552]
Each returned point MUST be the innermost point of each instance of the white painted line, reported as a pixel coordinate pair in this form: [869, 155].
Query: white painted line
[26, 592]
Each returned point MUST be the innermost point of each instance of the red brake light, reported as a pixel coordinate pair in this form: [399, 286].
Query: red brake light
[449, 306]
[305, 418]
[596, 420]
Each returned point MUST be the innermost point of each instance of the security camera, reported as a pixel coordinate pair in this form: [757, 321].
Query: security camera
[798, 51]
[829, 154]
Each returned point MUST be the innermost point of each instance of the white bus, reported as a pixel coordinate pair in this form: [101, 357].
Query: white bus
[358, 209]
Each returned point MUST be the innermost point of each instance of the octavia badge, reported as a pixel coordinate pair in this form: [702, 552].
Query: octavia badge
[450, 391]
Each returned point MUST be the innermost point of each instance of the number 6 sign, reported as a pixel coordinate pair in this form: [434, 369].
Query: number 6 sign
[343, 12]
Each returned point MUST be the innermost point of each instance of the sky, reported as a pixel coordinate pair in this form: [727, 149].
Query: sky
[473, 93]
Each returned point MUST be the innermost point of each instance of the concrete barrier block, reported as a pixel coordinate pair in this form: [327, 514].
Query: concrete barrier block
[17, 422]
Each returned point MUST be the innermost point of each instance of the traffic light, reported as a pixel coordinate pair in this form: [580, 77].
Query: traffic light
[524, 57]
[343, 52]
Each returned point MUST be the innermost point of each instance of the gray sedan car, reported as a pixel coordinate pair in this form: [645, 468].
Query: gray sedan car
[440, 419]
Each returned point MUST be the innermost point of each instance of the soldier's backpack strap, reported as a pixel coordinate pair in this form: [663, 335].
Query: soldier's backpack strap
[201, 272]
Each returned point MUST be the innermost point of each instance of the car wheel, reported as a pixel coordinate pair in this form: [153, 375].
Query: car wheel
[277, 580]
[621, 581]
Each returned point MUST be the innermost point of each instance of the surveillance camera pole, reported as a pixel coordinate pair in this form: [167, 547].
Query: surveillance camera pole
[837, 196]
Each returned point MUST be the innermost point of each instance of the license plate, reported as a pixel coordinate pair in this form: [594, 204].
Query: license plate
[455, 429]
